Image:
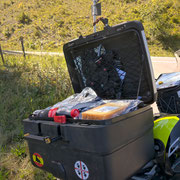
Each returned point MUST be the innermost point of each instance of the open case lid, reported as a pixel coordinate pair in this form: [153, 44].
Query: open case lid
[114, 62]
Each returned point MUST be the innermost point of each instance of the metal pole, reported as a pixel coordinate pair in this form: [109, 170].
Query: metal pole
[22, 44]
[1, 54]
[94, 13]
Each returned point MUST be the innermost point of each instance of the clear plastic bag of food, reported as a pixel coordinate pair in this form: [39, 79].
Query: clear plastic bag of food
[83, 101]
[111, 109]
[87, 105]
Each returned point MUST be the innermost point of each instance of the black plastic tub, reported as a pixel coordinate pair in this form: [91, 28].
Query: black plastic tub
[119, 149]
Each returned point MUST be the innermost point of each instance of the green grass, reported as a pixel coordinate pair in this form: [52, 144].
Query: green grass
[4, 173]
[26, 85]
[15, 164]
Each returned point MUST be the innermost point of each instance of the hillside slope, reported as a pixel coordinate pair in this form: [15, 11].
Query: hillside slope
[46, 25]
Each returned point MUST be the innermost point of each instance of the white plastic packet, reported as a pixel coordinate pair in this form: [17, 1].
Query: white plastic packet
[168, 80]
[132, 105]
[110, 109]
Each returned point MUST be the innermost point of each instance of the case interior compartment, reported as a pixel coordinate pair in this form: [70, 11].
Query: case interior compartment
[126, 52]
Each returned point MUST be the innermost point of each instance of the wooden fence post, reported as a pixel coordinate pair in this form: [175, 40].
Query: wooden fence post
[2, 55]
[22, 44]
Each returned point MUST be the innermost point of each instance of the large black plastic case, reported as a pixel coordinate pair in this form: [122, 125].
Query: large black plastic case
[112, 149]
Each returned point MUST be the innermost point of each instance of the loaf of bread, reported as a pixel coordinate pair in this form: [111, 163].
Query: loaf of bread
[106, 111]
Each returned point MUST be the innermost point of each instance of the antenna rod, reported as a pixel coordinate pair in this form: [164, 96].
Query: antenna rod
[94, 13]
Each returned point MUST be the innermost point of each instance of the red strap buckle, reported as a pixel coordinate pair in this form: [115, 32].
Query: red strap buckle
[75, 113]
[60, 119]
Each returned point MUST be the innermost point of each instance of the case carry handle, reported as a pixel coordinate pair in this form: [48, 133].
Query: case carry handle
[45, 139]
[103, 20]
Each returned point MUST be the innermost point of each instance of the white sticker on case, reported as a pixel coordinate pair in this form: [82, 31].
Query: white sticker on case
[81, 170]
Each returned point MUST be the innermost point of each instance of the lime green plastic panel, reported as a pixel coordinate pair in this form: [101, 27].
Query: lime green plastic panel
[163, 127]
